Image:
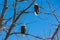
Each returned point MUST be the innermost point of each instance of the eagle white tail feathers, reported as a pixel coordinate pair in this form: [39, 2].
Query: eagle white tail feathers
[23, 35]
[36, 14]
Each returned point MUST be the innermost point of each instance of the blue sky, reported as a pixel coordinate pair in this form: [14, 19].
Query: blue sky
[40, 25]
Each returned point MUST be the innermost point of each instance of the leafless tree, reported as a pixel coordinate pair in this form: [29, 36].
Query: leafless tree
[17, 13]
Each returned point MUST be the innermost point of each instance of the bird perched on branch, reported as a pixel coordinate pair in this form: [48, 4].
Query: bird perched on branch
[36, 9]
[23, 30]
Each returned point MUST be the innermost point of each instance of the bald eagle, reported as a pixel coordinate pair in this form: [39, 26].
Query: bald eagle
[23, 30]
[36, 9]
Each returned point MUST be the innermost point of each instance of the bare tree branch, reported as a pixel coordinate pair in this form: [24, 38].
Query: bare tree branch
[13, 24]
[56, 31]
[27, 34]
[15, 4]
[3, 11]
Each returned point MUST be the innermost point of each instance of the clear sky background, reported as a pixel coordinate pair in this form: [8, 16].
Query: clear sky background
[36, 25]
